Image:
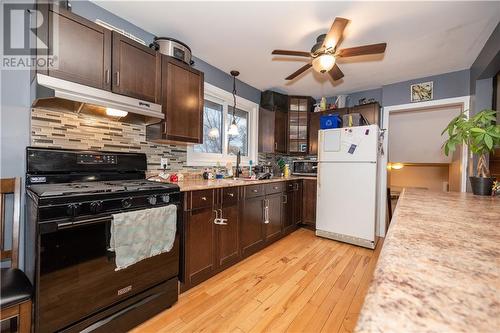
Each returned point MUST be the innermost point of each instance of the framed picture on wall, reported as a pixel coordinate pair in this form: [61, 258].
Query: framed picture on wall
[421, 91]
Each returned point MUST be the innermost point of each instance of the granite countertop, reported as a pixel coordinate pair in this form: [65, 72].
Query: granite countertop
[202, 184]
[439, 268]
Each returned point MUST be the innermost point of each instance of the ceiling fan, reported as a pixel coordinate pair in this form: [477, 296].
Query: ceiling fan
[325, 52]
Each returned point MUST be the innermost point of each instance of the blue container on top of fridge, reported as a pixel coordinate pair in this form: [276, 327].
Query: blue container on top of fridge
[331, 120]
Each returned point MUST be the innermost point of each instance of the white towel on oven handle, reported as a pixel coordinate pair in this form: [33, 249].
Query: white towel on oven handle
[141, 234]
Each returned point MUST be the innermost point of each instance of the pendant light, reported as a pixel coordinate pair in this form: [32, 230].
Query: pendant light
[233, 129]
[213, 133]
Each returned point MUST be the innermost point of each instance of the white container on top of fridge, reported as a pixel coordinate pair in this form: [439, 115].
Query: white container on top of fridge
[348, 162]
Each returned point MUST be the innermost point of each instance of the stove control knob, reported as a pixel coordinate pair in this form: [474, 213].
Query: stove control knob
[165, 198]
[126, 203]
[73, 209]
[96, 207]
[152, 200]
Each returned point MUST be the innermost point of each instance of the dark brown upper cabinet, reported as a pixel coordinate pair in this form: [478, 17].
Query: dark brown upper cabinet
[182, 103]
[136, 69]
[370, 111]
[299, 108]
[272, 131]
[92, 55]
[83, 49]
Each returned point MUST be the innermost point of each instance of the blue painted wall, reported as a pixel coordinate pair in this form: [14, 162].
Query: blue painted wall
[354, 98]
[15, 127]
[213, 75]
[446, 85]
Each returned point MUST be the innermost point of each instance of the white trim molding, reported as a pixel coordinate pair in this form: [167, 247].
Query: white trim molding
[464, 100]
[225, 98]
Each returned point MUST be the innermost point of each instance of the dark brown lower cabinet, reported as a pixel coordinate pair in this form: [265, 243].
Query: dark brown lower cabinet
[309, 203]
[228, 247]
[292, 206]
[199, 246]
[251, 230]
[223, 226]
[272, 217]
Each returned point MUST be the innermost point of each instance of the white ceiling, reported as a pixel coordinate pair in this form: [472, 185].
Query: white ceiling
[423, 38]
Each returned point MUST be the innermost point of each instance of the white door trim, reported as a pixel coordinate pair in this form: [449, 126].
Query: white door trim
[464, 100]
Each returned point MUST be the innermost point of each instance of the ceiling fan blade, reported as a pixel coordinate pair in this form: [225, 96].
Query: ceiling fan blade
[292, 53]
[298, 72]
[362, 50]
[336, 73]
[334, 36]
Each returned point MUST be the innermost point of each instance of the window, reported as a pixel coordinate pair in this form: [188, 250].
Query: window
[238, 142]
[218, 145]
[212, 128]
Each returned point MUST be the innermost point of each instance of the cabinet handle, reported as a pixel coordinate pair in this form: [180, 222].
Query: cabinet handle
[221, 220]
[231, 194]
[255, 191]
[216, 220]
[276, 146]
[204, 198]
[117, 79]
[107, 75]
[266, 211]
[285, 198]
[275, 187]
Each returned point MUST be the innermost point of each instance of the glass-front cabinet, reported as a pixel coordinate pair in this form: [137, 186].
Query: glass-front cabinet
[298, 111]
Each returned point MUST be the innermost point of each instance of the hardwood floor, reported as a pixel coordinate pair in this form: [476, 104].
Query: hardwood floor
[301, 283]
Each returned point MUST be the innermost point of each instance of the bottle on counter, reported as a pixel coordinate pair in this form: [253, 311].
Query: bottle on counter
[286, 171]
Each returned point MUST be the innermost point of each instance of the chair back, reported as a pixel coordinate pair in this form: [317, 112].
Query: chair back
[10, 187]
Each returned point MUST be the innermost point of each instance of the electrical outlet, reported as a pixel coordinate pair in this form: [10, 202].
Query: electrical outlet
[163, 162]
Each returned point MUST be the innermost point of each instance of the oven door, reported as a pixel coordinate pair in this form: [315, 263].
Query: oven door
[77, 276]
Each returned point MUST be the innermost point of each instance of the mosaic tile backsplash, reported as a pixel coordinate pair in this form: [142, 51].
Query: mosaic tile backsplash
[71, 130]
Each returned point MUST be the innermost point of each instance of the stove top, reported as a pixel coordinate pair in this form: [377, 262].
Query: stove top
[96, 187]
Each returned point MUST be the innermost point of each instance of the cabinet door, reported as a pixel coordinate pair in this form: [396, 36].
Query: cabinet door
[273, 226]
[280, 132]
[83, 50]
[309, 203]
[136, 69]
[288, 211]
[313, 132]
[182, 101]
[370, 111]
[199, 246]
[297, 203]
[251, 230]
[266, 131]
[227, 236]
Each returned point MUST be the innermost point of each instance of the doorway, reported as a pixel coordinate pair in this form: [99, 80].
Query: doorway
[413, 150]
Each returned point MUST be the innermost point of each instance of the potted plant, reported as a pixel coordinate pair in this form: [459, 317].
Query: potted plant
[481, 135]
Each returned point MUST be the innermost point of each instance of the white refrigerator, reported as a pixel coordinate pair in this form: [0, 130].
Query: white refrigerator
[348, 162]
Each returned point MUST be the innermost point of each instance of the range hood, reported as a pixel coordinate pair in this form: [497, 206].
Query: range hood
[61, 94]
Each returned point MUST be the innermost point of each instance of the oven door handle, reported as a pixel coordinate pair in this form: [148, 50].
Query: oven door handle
[74, 224]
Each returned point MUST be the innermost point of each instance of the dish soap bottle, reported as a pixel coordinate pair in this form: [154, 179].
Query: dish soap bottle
[286, 171]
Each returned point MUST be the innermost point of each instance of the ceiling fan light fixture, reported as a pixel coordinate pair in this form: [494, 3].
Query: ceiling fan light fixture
[323, 63]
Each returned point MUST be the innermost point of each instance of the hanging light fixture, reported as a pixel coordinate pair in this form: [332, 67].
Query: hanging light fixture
[323, 63]
[233, 129]
[213, 133]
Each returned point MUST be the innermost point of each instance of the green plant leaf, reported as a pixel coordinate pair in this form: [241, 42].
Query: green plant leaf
[477, 130]
[488, 140]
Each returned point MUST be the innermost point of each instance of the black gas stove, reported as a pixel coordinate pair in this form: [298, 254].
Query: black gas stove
[72, 196]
